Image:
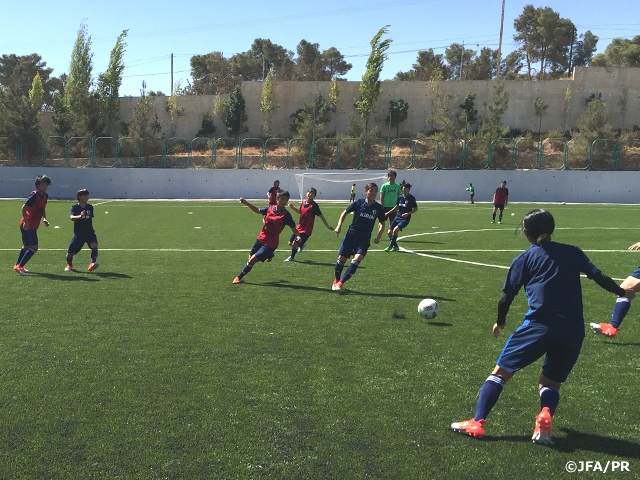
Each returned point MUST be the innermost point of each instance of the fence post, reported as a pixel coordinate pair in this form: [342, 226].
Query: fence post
[464, 154]
[617, 153]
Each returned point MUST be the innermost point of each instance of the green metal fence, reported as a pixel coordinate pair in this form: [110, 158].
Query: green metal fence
[323, 153]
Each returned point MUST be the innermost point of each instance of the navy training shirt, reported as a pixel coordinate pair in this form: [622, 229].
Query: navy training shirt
[83, 226]
[406, 205]
[364, 216]
[550, 275]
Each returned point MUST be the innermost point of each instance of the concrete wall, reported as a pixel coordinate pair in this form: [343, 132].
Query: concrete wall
[438, 185]
[289, 96]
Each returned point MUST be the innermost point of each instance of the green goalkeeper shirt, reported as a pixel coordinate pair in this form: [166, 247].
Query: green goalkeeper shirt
[390, 192]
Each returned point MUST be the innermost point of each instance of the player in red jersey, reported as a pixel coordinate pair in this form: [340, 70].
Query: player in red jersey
[275, 219]
[33, 211]
[308, 212]
[273, 192]
[500, 200]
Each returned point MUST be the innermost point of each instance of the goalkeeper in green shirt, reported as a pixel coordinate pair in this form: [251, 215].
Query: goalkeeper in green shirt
[471, 191]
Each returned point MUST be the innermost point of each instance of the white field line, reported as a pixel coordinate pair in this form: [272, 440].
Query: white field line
[414, 252]
[503, 267]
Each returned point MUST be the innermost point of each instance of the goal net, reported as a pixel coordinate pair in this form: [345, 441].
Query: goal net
[336, 185]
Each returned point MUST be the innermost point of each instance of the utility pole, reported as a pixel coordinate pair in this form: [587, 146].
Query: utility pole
[500, 43]
[461, 61]
[573, 36]
[171, 89]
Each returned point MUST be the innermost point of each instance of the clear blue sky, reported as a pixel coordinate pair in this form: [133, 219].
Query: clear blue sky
[158, 29]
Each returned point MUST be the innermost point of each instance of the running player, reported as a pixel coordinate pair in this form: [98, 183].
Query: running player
[81, 215]
[500, 200]
[553, 326]
[357, 240]
[308, 212]
[273, 192]
[405, 207]
[275, 218]
[623, 304]
[33, 211]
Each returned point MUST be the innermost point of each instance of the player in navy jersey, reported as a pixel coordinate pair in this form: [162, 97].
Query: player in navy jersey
[33, 211]
[406, 205]
[500, 200]
[276, 217]
[308, 212]
[81, 215]
[553, 326]
[357, 240]
[623, 304]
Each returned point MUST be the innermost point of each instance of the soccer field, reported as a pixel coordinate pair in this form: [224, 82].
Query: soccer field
[156, 366]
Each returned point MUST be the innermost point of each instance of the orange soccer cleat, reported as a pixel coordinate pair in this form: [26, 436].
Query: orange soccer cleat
[605, 329]
[542, 430]
[471, 427]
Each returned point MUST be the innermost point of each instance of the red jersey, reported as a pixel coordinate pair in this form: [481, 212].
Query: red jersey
[274, 223]
[500, 198]
[35, 209]
[308, 214]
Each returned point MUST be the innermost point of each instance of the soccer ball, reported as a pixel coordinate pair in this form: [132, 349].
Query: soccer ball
[428, 308]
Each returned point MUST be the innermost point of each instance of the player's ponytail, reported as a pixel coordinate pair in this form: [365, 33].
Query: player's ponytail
[538, 226]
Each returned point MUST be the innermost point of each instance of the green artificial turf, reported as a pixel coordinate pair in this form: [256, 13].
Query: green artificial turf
[156, 366]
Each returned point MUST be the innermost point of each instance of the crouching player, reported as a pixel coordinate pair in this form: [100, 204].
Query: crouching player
[276, 217]
[83, 232]
[553, 326]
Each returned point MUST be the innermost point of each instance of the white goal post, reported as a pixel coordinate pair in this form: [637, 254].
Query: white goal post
[336, 185]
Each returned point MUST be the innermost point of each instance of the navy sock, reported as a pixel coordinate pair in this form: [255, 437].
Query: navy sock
[69, 260]
[488, 396]
[247, 268]
[294, 250]
[353, 266]
[94, 255]
[494, 215]
[339, 267]
[500, 217]
[549, 397]
[394, 240]
[27, 256]
[620, 311]
[23, 250]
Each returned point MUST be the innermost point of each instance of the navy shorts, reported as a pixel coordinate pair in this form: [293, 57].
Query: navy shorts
[77, 242]
[261, 251]
[636, 273]
[399, 222]
[303, 239]
[532, 340]
[29, 237]
[499, 206]
[353, 244]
